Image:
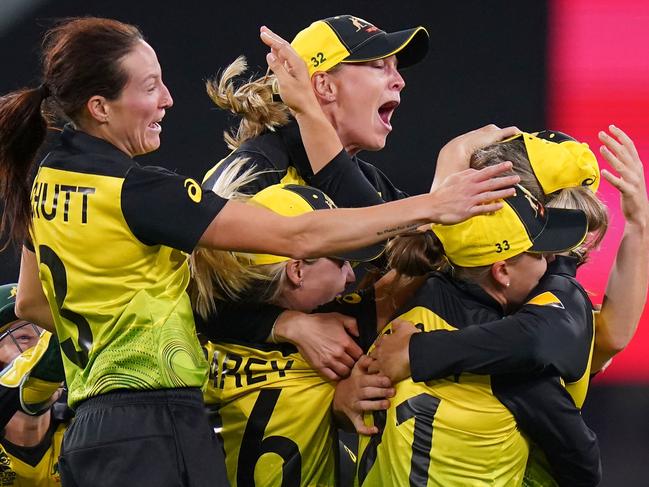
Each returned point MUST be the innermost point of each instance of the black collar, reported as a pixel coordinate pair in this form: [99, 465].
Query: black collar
[563, 265]
[78, 141]
[475, 291]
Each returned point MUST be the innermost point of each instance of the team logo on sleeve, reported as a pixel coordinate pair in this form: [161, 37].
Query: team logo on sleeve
[194, 190]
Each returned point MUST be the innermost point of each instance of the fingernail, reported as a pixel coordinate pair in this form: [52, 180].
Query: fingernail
[271, 57]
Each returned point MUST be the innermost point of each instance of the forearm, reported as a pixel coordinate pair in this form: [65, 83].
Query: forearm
[247, 228]
[438, 354]
[243, 227]
[526, 342]
[320, 139]
[626, 294]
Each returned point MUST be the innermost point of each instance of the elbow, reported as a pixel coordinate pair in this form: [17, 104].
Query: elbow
[304, 247]
[28, 310]
[22, 308]
[610, 346]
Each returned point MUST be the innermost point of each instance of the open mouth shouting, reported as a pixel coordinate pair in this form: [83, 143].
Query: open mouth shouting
[385, 113]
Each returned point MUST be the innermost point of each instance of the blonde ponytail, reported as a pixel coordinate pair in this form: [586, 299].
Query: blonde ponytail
[252, 101]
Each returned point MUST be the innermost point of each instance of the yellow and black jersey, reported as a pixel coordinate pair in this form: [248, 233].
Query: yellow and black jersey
[281, 157]
[549, 344]
[445, 432]
[280, 154]
[111, 239]
[35, 466]
[277, 424]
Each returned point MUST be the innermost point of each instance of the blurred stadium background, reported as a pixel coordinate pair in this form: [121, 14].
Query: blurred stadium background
[569, 65]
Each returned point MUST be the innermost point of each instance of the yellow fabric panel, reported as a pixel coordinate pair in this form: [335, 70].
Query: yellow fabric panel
[292, 177]
[130, 299]
[266, 394]
[474, 439]
[545, 299]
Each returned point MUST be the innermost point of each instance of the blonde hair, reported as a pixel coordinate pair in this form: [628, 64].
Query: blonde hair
[252, 101]
[217, 275]
[582, 198]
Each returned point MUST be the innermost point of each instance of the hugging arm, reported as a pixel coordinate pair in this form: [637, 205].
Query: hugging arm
[535, 338]
[546, 413]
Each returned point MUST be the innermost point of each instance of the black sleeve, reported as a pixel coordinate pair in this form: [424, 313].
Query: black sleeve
[345, 183]
[164, 208]
[535, 338]
[378, 179]
[360, 305]
[241, 322]
[546, 413]
[9, 404]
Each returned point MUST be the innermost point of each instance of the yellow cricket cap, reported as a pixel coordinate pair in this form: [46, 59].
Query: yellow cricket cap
[345, 38]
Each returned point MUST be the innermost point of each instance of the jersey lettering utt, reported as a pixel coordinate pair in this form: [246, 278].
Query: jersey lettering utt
[447, 432]
[110, 237]
[276, 414]
[35, 466]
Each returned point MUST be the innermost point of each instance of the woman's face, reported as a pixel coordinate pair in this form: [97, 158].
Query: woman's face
[524, 273]
[323, 280]
[134, 118]
[367, 94]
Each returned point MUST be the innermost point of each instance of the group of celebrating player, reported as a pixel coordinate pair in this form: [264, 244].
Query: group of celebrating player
[464, 361]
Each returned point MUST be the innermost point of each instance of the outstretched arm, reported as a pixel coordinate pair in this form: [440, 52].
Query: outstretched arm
[239, 226]
[626, 292]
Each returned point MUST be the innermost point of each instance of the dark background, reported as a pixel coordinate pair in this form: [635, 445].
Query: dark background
[487, 65]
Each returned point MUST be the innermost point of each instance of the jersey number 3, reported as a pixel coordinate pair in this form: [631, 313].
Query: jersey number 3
[60, 281]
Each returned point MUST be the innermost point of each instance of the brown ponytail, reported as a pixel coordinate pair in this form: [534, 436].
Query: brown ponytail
[415, 254]
[23, 132]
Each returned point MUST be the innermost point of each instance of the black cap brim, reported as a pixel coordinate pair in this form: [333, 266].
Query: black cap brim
[366, 254]
[564, 230]
[410, 46]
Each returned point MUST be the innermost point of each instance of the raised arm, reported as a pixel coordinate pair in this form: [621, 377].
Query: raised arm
[626, 291]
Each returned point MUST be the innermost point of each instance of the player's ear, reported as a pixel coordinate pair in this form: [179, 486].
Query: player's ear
[294, 271]
[98, 108]
[500, 273]
[325, 87]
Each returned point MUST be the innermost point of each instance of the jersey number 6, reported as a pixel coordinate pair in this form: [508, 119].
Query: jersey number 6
[254, 445]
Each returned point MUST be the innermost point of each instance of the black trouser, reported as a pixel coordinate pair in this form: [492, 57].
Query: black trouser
[140, 438]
